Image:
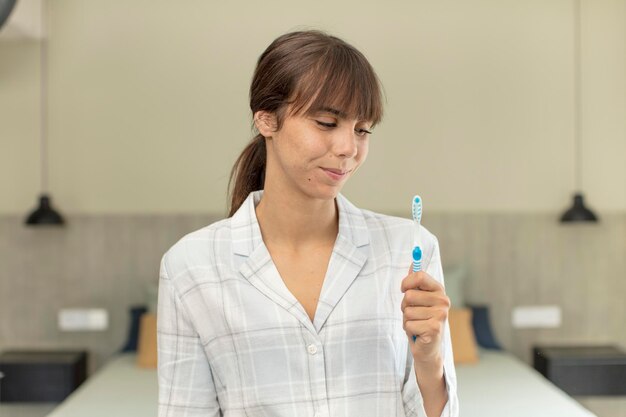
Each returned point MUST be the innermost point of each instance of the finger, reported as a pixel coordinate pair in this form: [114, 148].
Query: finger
[418, 313]
[427, 331]
[420, 280]
[411, 281]
[420, 298]
[413, 313]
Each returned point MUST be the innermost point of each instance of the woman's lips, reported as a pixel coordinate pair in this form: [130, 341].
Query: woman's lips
[335, 174]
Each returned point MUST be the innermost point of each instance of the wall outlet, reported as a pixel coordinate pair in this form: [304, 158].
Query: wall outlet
[82, 319]
[536, 317]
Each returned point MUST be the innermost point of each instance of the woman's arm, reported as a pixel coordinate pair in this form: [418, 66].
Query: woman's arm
[432, 385]
[437, 394]
[186, 386]
[435, 380]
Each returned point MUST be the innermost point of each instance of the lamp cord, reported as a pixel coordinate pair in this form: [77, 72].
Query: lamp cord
[577, 98]
[43, 98]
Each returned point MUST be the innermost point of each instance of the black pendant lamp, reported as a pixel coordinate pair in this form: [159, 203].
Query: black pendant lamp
[578, 212]
[44, 214]
[6, 6]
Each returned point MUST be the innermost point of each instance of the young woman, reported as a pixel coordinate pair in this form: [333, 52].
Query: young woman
[300, 303]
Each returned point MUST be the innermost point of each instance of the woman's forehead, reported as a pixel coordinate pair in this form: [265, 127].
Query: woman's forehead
[310, 101]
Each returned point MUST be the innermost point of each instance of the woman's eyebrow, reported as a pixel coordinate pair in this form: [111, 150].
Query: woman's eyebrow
[331, 110]
[338, 113]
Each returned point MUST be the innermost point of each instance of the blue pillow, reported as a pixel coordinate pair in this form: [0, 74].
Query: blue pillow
[482, 327]
[133, 333]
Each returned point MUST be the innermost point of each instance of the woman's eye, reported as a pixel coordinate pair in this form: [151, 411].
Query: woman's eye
[360, 132]
[326, 124]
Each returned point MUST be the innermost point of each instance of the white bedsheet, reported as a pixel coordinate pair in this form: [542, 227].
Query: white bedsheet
[501, 385]
[118, 389]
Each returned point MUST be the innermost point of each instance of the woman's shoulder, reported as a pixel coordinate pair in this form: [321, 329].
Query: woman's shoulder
[394, 224]
[397, 231]
[386, 228]
[198, 248]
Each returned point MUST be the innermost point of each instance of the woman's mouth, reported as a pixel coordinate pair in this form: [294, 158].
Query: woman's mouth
[335, 174]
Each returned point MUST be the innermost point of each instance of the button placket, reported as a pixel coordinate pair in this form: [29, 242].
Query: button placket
[317, 360]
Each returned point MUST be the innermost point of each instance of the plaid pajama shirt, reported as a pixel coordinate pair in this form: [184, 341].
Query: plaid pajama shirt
[233, 341]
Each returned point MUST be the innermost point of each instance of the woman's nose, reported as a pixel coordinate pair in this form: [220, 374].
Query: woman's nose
[345, 144]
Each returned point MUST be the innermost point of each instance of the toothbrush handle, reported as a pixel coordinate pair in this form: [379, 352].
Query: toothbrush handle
[417, 266]
[417, 258]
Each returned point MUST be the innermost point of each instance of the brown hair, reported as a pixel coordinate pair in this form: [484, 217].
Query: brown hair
[298, 68]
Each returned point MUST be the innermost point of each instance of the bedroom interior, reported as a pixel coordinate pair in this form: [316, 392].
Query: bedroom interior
[511, 108]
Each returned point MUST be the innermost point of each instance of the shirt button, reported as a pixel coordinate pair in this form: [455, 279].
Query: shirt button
[312, 349]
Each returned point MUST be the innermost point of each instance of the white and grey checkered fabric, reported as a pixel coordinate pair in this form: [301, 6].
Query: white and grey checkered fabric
[233, 340]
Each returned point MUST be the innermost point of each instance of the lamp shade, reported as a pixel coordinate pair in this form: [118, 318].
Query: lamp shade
[44, 214]
[578, 212]
[6, 6]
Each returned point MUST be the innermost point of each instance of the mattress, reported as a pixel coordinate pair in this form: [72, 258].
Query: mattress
[502, 385]
[499, 385]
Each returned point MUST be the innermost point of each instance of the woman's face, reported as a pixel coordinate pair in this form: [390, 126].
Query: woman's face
[314, 155]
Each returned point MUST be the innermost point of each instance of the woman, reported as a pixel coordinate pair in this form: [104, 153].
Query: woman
[300, 303]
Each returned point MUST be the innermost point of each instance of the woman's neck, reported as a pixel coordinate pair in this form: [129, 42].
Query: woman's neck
[295, 224]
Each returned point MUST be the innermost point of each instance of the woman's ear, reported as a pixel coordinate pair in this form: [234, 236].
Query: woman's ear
[265, 122]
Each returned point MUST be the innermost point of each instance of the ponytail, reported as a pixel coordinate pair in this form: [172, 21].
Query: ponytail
[248, 173]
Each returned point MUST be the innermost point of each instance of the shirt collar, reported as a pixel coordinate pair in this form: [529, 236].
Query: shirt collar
[246, 233]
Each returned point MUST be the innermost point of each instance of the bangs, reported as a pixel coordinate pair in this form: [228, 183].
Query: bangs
[343, 80]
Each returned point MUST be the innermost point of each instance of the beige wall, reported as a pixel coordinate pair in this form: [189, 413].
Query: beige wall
[148, 102]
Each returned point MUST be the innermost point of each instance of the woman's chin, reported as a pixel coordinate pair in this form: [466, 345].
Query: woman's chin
[326, 192]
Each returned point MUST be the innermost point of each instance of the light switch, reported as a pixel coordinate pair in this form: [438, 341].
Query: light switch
[536, 317]
[83, 319]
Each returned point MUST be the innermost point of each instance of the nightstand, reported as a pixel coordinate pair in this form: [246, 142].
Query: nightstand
[583, 370]
[41, 375]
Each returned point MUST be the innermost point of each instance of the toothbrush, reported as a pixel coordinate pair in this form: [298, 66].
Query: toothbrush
[417, 219]
[417, 244]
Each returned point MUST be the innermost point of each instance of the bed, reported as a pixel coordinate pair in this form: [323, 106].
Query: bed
[502, 385]
[119, 388]
[498, 385]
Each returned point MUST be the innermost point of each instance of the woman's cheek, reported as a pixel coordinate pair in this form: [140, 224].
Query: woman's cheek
[362, 154]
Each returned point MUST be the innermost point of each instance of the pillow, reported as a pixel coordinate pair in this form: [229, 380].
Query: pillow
[147, 347]
[464, 346]
[454, 280]
[133, 331]
[482, 327]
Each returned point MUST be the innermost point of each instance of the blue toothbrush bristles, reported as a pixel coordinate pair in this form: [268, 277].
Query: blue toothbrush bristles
[417, 209]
